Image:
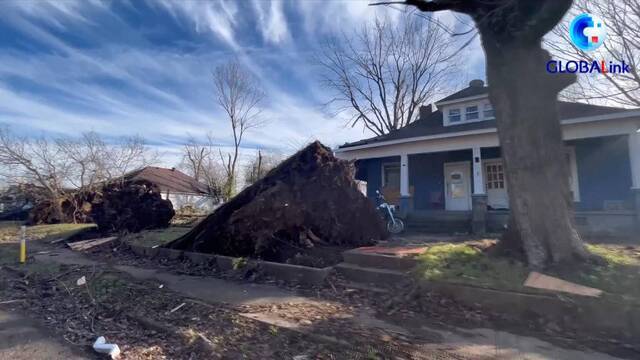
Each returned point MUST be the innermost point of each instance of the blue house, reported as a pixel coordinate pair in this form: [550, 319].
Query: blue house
[448, 162]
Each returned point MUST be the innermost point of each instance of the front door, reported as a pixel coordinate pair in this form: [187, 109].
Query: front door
[457, 186]
[496, 184]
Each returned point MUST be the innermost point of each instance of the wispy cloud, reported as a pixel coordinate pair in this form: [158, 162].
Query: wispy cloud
[122, 68]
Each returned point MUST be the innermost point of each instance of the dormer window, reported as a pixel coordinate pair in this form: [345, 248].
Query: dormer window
[488, 112]
[454, 115]
[472, 113]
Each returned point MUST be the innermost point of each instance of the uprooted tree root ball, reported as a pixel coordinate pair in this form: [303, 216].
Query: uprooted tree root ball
[117, 206]
[309, 200]
[131, 206]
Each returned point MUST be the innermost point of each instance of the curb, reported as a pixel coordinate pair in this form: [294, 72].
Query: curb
[285, 272]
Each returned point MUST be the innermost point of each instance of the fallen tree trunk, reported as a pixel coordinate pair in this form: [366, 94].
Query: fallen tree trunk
[309, 199]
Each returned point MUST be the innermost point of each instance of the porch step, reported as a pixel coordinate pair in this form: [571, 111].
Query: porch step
[440, 215]
[439, 226]
[368, 275]
[378, 261]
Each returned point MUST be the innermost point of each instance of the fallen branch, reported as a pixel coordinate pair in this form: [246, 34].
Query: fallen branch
[177, 308]
[11, 301]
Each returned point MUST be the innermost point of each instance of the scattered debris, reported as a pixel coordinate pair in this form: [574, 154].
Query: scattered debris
[6, 302]
[88, 244]
[541, 281]
[55, 241]
[309, 200]
[81, 281]
[177, 308]
[101, 346]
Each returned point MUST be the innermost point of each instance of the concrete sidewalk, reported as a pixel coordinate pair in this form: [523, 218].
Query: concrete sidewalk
[208, 289]
[467, 343]
[24, 339]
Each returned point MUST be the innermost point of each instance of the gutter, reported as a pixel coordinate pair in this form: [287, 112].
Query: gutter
[570, 121]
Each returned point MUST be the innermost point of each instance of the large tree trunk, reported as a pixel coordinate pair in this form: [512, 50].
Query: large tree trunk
[525, 99]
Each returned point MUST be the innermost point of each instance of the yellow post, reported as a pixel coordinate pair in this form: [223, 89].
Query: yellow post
[23, 244]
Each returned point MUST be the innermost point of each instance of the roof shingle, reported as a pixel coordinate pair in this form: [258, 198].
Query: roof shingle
[433, 124]
[171, 180]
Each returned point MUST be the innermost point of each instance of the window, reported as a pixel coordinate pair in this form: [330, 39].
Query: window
[495, 176]
[472, 113]
[488, 112]
[454, 115]
[391, 176]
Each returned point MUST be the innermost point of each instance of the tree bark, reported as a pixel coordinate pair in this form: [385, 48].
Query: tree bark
[524, 96]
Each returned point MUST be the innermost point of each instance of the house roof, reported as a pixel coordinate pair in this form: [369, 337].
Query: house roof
[432, 124]
[470, 91]
[171, 180]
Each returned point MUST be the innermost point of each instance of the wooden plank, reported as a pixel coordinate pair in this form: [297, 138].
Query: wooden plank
[88, 244]
[541, 281]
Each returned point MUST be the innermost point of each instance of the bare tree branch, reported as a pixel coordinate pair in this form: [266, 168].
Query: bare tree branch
[622, 18]
[383, 73]
[240, 96]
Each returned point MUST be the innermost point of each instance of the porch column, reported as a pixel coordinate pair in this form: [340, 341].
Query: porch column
[478, 179]
[479, 197]
[405, 195]
[634, 158]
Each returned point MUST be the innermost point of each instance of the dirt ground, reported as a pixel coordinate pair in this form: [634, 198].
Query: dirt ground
[129, 300]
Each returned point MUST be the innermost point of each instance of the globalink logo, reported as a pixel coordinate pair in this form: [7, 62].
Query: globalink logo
[587, 33]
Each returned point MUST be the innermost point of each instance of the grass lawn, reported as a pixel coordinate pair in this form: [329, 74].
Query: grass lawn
[468, 264]
[156, 237]
[10, 236]
[10, 231]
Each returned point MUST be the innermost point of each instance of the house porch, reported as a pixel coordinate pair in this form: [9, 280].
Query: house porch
[466, 189]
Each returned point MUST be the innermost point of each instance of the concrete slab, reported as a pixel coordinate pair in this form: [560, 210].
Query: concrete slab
[216, 290]
[65, 256]
[368, 275]
[23, 339]
[203, 288]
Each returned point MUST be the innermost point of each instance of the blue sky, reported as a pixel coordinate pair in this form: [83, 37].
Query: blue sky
[144, 67]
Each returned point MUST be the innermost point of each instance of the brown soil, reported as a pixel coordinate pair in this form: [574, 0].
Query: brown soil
[309, 200]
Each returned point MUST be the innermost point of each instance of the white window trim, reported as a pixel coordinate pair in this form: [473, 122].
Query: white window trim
[460, 114]
[477, 112]
[493, 161]
[492, 109]
[384, 166]
[462, 108]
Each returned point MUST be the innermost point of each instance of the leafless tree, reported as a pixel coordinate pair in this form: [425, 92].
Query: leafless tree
[622, 19]
[260, 165]
[240, 95]
[199, 159]
[384, 72]
[63, 166]
[37, 162]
